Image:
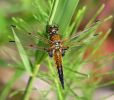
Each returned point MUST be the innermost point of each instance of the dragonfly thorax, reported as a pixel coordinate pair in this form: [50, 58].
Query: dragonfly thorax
[57, 45]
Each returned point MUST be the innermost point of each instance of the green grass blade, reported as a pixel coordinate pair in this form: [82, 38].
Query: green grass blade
[29, 87]
[99, 44]
[79, 17]
[84, 35]
[22, 53]
[64, 13]
[54, 8]
[96, 14]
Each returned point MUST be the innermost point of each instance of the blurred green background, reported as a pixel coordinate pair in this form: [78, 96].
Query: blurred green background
[23, 9]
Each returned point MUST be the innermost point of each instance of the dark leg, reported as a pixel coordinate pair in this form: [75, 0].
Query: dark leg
[63, 50]
[50, 52]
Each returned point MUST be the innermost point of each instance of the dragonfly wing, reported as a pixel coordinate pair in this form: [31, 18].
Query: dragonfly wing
[27, 46]
[39, 37]
[88, 29]
[33, 30]
[29, 40]
[83, 37]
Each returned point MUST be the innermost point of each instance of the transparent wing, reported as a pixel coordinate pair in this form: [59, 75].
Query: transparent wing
[82, 34]
[30, 40]
[27, 46]
[81, 39]
[39, 37]
[37, 31]
[87, 32]
[84, 42]
[84, 37]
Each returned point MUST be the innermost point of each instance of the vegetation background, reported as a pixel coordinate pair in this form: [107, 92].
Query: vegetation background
[88, 71]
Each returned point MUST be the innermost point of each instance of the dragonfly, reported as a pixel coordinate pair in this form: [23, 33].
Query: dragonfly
[57, 47]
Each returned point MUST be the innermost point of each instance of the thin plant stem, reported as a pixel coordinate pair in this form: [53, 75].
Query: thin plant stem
[54, 8]
[29, 87]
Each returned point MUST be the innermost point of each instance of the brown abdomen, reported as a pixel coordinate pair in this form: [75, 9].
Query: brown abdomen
[58, 58]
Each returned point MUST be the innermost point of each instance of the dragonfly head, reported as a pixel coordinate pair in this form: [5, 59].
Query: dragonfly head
[52, 29]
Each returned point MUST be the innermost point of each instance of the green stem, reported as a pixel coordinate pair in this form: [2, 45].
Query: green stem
[54, 8]
[30, 83]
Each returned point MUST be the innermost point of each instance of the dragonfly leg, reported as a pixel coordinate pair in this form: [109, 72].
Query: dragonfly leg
[64, 49]
[63, 52]
[50, 52]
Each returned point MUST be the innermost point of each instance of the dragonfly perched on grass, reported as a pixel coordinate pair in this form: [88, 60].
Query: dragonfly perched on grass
[58, 46]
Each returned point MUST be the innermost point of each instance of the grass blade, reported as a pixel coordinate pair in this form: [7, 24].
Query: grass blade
[54, 8]
[22, 53]
[96, 14]
[77, 20]
[99, 44]
[30, 83]
[64, 13]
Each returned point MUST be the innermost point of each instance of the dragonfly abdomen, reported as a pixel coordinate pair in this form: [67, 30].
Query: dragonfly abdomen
[58, 58]
[58, 61]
